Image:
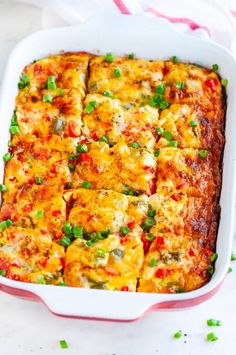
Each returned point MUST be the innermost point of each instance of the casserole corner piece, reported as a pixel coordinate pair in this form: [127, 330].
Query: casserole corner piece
[118, 175]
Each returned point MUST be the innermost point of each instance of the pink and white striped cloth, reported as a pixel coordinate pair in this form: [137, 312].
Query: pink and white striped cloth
[212, 19]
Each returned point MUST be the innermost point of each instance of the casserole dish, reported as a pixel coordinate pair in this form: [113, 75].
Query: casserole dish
[158, 40]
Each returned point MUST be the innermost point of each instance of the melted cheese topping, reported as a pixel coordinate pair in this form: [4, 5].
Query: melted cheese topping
[114, 174]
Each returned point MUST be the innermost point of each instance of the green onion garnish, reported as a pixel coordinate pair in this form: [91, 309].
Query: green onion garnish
[160, 89]
[109, 58]
[9, 222]
[103, 139]
[14, 129]
[148, 223]
[3, 272]
[90, 107]
[3, 188]
[193, 123]
[168, 135]
[65, 241]
[71, 167]
[82, 148]
[179, 85]
[51, 82]
[73, 156]
[215, 67]
[24, 81]
[202, 153]
[230, 270]
[175, 59]
[67, 228]
[213, 323]
[134, 145]
[7, 157]
[131, 56]
[214, 257]
[86, 184]
[101, 253]
[117, 73]
[124, 230]
[160, 130]
[174, 144]
[157, 153]
[224, 82]
[150, 237]
[153, 262]
[40, 214]
[211, 270]
[78, 232]
[64, 344]
[107, 94]
[38, 180]
[211, 337]
[178, 334]
[233, 255]
[62, 284]
[47, 98]
[151, 212]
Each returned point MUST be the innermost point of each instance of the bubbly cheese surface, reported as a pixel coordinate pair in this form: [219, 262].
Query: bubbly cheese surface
[113, 174]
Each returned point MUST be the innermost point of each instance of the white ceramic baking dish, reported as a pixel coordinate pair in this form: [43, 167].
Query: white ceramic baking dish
[147, 38]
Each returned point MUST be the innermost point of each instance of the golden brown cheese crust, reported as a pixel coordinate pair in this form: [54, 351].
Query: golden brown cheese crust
[137, 81]
[113, 175]
[30, 255]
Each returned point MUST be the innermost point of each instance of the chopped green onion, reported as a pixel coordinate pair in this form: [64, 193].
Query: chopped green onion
[7, 157]
[153, 262]
[47, 98]
[9, 222]
[90, 107]
[160, 89]
[129, 192]
[42, 281]
[51, 82]
[175, 59]
[78, 231]
[193, 123]
[14, 129]
[101, 253]
[107, 94]
[109, 58]
[91, 242]
[160, 130]
[82, 148]
[73, 156]
[178, 334]
[134, 145]
[168, 135]
[174, 144]
[131, 56]
[3, 272]
[163, 105]
[202, 153]
[117, 73]
[3, 225]
[230, 270]
[3, 188]
[233, 255]
[151, 213]
[103, 139]
[65, 241]
[124, 230]
[211, 337]
[24, 81]
[62, 284]
[60, 92]
[148, 223]
[150, 237]
[64, 344]
[157, 153]
[215, 67]
[71, 167]
[224, 82]
[142, 104]
[40, 214]
[214, 257]
[179, 85]
[86, 184]
[38, 180]
[211, 270]
[67, 228]
[213, 323]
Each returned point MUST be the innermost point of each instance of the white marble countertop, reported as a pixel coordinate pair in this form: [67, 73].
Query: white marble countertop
[28, 328]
